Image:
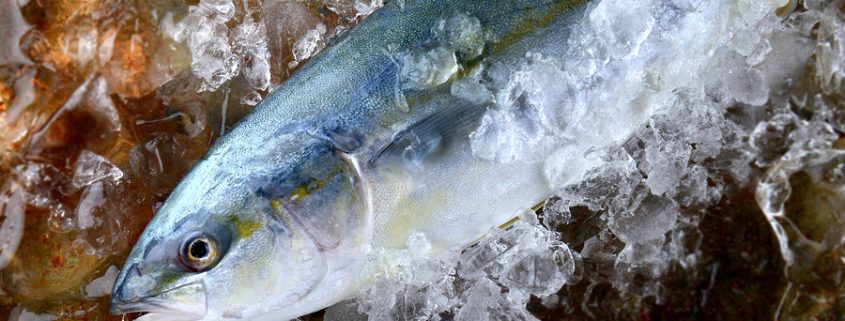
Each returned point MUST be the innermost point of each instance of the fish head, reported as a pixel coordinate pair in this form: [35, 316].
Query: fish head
[217, 249]
[252, 235]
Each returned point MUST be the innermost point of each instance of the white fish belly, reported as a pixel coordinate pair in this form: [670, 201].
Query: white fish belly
[453, 200]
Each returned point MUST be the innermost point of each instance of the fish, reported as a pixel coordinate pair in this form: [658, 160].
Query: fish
[365, 146]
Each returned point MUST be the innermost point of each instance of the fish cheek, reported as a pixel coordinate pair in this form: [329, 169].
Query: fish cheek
[330, 207]
[270, 266]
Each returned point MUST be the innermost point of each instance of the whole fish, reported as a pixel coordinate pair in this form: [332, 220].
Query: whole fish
[366, 145]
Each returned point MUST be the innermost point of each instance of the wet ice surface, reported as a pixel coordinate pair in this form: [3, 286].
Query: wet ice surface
[725, 203]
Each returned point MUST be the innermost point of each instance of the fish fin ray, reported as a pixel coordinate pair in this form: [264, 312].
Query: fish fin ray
[425, 138]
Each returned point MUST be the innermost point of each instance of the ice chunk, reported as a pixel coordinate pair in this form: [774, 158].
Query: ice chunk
[61, 219]
[772, 139]
[534, 105]
[463, 33]
[220, 10]
[622, 26]
[556, 211]
[251, 98]
[12, 27]
[428, 69]
[471, 91]
[418, 244]
[250, 42]
[759, 55]
[344, 311]
[343, 8]
[366, 7]
[19, 314]
[474, 260]
[12, 203]
[580, 161]
[101, 286]
[650, 220]
[667, 165]
[507, 136]
[310, 43]
[830, 52]
[214, 63]
[748, 86]
[92, 199]
[256, 70]
[485, 302]
[643, 253]
[693, 187]
[213, 60]
[90, 168]
[100, 105]
[81, 45]
[542, 272]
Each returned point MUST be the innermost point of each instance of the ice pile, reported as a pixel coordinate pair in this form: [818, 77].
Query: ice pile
[220, 52]
[712, 99]
[490, 281]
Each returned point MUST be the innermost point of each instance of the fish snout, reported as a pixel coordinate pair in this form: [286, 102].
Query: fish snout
[125, 298]
[157, 292]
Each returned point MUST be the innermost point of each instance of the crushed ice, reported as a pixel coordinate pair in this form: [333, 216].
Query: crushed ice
[721, 79]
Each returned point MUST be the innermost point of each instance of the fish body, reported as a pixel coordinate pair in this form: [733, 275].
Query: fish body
[367, 145]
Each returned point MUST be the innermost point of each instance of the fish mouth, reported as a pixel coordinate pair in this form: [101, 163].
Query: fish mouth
[188, 300]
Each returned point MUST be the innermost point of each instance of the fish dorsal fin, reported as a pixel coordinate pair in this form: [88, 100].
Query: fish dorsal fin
[426, 138]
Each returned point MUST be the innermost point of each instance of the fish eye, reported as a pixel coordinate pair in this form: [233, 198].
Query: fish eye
[199, 252]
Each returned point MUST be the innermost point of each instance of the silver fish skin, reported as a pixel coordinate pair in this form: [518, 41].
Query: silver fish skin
[359, 150]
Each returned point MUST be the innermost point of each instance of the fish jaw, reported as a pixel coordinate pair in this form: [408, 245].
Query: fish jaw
[349, 272]
[184, 302]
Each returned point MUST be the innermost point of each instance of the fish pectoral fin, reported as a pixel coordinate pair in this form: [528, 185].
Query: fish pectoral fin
[344, 141]
[422, 140]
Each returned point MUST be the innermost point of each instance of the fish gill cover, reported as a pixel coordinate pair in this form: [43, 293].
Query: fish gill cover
[727, 203]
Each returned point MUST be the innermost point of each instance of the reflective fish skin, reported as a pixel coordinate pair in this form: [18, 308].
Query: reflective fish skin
[347, 156]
